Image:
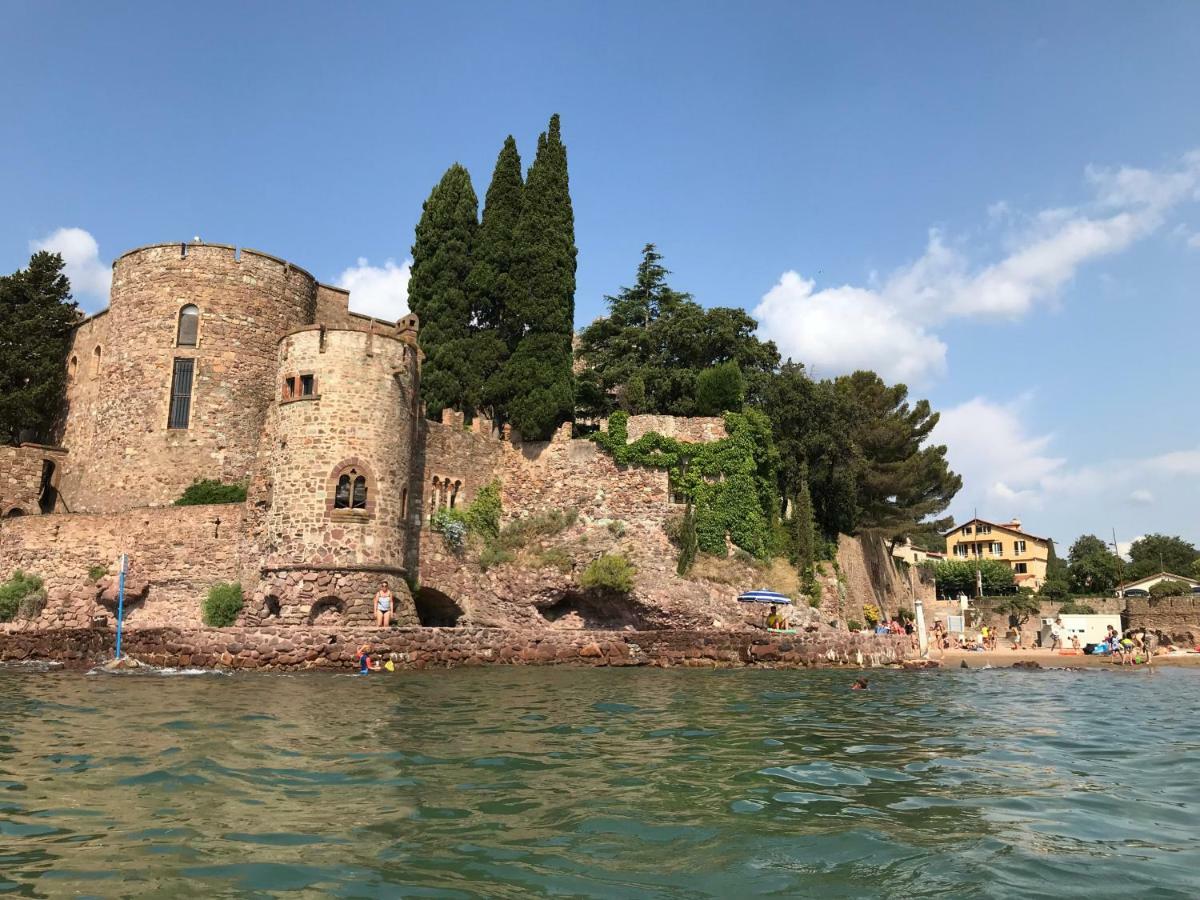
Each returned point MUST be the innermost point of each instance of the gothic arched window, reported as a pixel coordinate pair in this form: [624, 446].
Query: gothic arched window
[351, 490]
[358, 497]
[341, 496]
[189, 326]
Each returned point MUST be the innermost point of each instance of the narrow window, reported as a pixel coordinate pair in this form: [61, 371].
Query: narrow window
[73, 368]
[1018, 546]
[997, 548]
[454, 493]
[189, 326]
[341, 497]
[181, 393]
[307, 385]
[289, 388]
[96, 362]
[967, 529]
[1021, 569]
[403, 503]
[360, 493]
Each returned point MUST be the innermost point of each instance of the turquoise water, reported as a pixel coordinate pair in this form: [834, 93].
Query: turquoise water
[512, 782]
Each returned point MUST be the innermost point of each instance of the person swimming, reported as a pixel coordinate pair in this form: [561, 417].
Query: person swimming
[860, 684]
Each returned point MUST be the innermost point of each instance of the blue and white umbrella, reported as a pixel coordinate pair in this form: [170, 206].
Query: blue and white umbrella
[764, 597]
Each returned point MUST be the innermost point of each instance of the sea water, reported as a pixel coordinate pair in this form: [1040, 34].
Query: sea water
[517, 782]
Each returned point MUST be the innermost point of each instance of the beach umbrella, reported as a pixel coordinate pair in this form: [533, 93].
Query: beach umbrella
[764, 597]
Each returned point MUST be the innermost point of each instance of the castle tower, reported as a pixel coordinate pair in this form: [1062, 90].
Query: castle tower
[167, 385]
[339, 473]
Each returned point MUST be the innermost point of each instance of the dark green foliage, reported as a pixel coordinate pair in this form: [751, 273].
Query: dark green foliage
[954, 575]
[535, 389]
[519, 532]
[21, 596]
[665, 340]
[209, 490]
[802, 549]
[853, 625]
[730, 483]
[687, 542]
[1074, 608]
[95, 573]
[720, 389]
[1055, 589]
[222, 605]
[1156, 553]
[1170, 588]
[437, 291]
[1018, 606]
[612, 572]
[36, 318]
[1093, 567]
[1056, 568]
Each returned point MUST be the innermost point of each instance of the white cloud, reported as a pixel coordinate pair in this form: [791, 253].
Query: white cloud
[886, 325]
[1194, 241]
[1141, 496]
[90, 276]
[380, 291]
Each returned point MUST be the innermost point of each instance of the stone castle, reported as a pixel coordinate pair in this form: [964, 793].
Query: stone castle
[217, 363]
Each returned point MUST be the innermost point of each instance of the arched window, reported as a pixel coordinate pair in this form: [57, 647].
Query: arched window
[96, 353]
[358, 498]
[341, 497]
[403, 504]
[73, 368]
[189, 326]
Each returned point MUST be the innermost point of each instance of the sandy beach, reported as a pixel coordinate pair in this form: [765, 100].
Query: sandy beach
[1049, 659]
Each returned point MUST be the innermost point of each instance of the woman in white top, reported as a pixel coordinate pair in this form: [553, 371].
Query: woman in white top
[383, 606]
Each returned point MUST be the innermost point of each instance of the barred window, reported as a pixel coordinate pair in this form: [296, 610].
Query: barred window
[181, 393]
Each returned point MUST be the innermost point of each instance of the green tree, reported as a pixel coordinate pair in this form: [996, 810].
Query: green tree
[1084, 546]
[904, 479]
[1156, 553]
[803, 530]
[1056, 568]
[1170, 588]
[1019, 607]
[36, 318]
[535, 390]
[1093, 567]
[492, 289]
[958, 575]
[688, 545]
[437, 290]
[720, 389]
[667, 339]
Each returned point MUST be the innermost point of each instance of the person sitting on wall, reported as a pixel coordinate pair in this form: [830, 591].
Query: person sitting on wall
[383, 606]
[775, 619]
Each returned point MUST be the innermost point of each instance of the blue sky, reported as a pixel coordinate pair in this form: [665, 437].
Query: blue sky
[995, 203]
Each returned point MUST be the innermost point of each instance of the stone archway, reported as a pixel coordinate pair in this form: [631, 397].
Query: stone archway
[327, 611]
[436, 609]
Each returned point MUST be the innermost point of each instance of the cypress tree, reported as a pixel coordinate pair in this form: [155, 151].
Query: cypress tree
[688, 544]
[36, 318]
[491, 287]
[535, 390]
[804, 529]
[437, 290]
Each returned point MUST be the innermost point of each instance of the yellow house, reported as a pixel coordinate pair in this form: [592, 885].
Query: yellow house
[1025, 553]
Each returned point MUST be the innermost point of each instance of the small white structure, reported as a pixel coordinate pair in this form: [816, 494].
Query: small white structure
[1144, 584]
[1089, 629]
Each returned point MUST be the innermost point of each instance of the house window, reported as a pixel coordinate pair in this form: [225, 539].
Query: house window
[181, 393]
[189, 326]
[307, 385]
[1018, 547]
[966, 529]
[1021, 568]
[997, 548]
[960, 550]
[984, 529]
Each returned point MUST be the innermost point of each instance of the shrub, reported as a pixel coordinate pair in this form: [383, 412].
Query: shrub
[483, 515]
[616, 528]
[955, 575]
[1074, 608]
[905, 615]
[450, 524]
[555, 558]
[21, 596]
[673, 528]
[1019, 607]
[872, 614]
[209, 490]
[1055, 589]
[519, 532]
[222, 605]
[1170, 589]
[612, 572]
[494, 556]
[95, 573]
[854, 626]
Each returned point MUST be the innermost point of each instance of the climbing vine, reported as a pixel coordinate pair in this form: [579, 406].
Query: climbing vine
[729, 483]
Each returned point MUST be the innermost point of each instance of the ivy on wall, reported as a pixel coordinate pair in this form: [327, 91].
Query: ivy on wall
[730, 483]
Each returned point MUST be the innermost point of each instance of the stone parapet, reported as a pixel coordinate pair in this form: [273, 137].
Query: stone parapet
[421, 648]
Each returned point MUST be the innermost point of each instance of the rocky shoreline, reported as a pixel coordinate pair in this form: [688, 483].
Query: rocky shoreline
[331, 649]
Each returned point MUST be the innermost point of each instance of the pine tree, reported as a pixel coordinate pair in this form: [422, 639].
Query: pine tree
[535, 391]
[36, 318]
[688, 543]
[804, 529]
[437, 291]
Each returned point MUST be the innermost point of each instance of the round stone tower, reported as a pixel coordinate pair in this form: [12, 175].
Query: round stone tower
[340, 465]
[176, 381]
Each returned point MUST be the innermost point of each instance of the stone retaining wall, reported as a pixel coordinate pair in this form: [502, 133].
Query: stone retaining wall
[1178, 617]
[420, 648]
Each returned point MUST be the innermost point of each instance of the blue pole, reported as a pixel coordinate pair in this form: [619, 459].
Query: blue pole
[120, 605]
